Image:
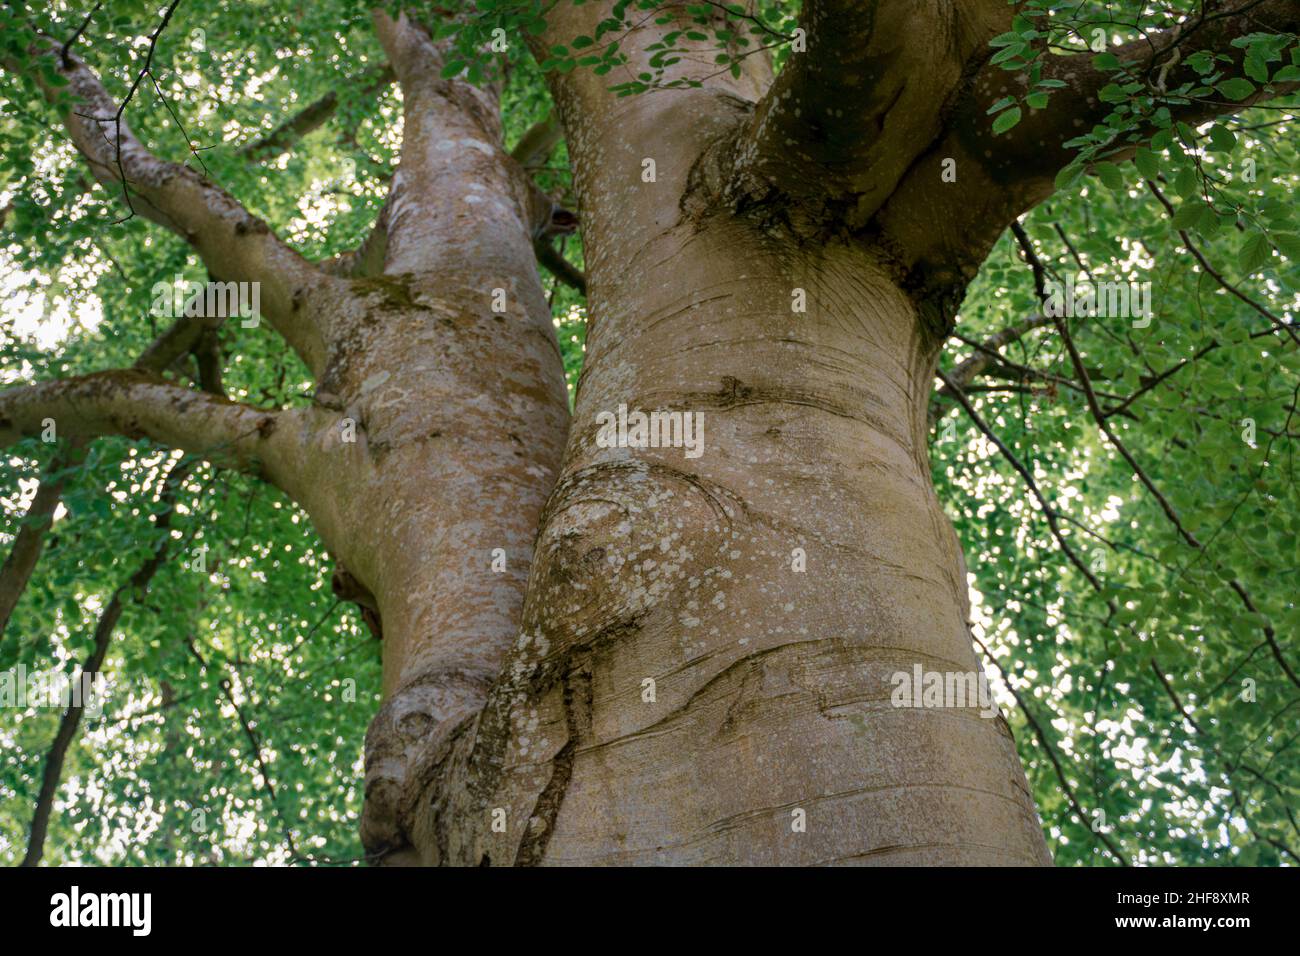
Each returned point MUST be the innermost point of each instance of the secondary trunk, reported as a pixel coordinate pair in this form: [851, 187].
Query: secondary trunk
[437, 435]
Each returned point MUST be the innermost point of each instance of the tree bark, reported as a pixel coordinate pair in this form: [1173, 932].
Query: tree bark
[772, 685]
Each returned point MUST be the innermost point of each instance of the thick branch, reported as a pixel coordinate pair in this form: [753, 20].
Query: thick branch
[943, 228]
[454, 169]
[181, 338]
[234, 244]
[865, 97]
[1034, 150]
[138, 405]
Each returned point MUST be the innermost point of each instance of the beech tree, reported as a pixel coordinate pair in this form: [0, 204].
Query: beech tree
[644, 423]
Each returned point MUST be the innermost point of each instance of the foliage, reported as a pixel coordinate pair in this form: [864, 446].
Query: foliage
[1170, 793]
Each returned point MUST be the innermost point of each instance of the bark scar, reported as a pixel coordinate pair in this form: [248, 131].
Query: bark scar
[577, 717]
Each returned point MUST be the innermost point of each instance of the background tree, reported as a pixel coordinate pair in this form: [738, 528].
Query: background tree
[839, 234]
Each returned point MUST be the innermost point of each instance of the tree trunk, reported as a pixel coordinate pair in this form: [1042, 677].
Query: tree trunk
[772, 671]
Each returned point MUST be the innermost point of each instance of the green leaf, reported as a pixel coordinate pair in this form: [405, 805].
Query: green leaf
[1254, 252]
[1007, 53]
[1208, 222]
[1110, 175]
[1222, 139]
[1147, 162]
[1006, 120]
[1068, 176]
[1257, 70]
[1188, 214]
[1237, 88]
[1112, 93]
[1288, 243]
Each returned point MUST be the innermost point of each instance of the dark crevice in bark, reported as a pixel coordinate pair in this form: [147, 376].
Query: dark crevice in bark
[439, 789]
[736, 394]
[577, 717]
[937, 302]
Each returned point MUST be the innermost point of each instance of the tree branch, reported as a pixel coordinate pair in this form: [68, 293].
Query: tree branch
[1279, 324]
[538, 141]
[234, 244]
[986, 355]
[30, 538]
[1034, 150]
[183, 336]
[559, 266]
[864, 99]
[451, 149]
[1229, 765]
[1052, 758]
[1048, 511]
[1100, 417]
[943, 229]
[312, 117]
[366, 259]
[140, 404]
